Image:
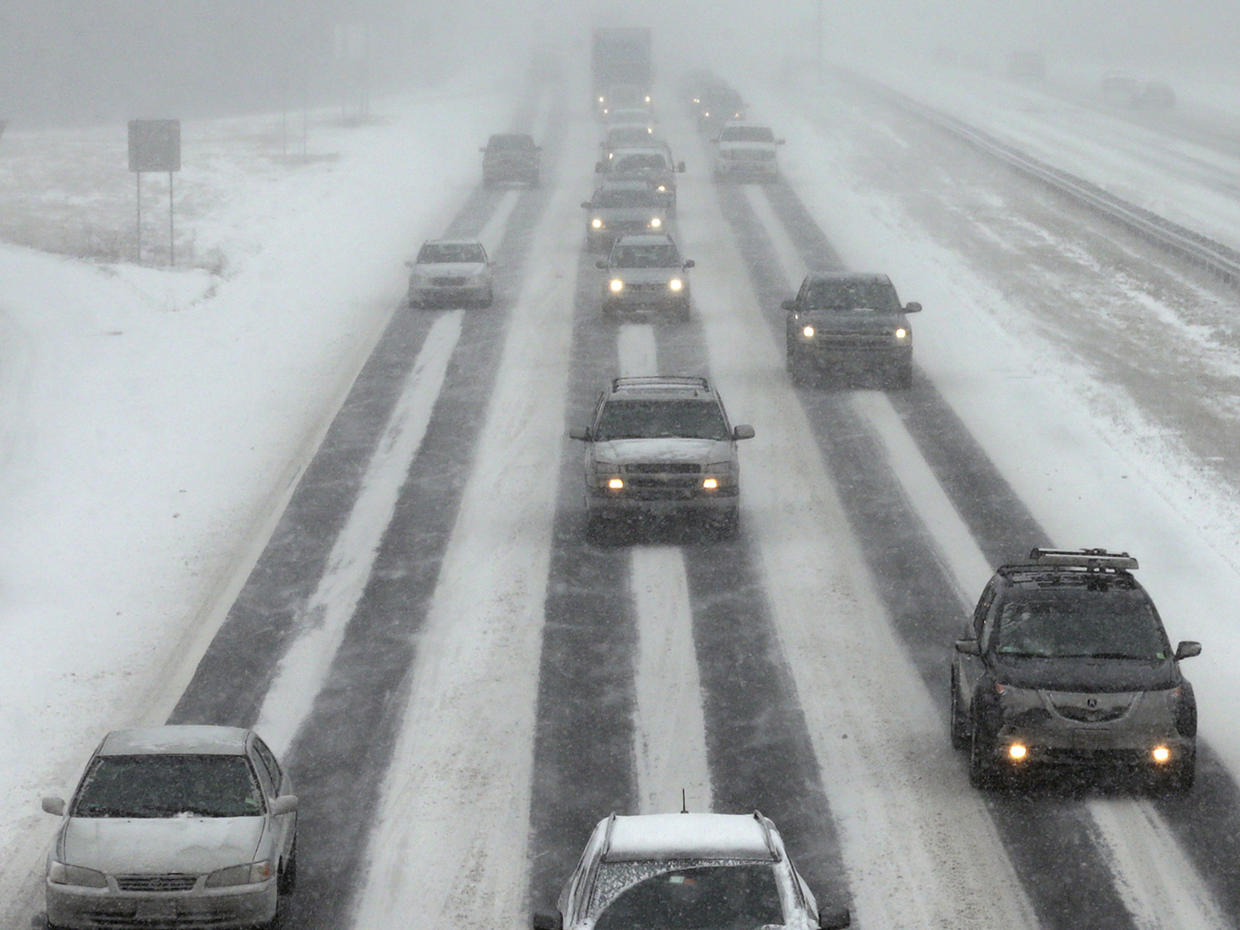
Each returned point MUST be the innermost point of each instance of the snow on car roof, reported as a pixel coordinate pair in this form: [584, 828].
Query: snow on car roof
[210, 740]
[678, 836]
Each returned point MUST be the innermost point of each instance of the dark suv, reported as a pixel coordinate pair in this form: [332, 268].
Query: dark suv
[1066, 663]
[662, 445]
[510, 156]
[849, 321]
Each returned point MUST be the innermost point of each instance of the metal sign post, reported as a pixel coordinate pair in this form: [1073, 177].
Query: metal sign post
[155, 145]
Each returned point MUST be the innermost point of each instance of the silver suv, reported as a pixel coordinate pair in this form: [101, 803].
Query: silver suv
[687, 870]
[646, 272]
[662, 445]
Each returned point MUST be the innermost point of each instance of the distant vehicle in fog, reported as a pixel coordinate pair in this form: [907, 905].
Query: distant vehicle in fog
[746, 150]
[450, 272]
[621, 57]
[651, 163]
[1157, 95]
[1120, 89]
[646, 273]
[510, 156]
[622, 207]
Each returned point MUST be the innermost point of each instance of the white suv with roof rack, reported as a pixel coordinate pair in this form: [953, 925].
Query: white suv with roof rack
[662, 446]
[687, 870]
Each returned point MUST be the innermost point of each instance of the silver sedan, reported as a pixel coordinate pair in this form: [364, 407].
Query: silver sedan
[175, 826]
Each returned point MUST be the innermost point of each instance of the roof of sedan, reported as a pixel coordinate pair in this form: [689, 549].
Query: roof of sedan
[175, 740]
[683, 836]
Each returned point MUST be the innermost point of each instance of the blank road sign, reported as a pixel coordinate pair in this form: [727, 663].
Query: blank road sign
[154, 145]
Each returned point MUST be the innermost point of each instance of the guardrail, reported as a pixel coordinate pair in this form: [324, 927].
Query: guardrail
[1201, 251]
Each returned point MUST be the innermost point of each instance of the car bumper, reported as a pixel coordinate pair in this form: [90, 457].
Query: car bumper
[216, 909]
[860, 357]
[647, 304]
[1092, 746]
[754, 169]
[720, 504]
[449, 296]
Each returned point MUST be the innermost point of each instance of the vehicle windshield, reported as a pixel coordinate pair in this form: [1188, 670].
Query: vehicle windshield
[639, 164]
[511, 142]
[149, 786]
[629, 135]
[742, 896]
[1081, 622]
[435, 253]
[646, 256]
[635, 197]
[651, 419]
[852, 295]
[747, 134]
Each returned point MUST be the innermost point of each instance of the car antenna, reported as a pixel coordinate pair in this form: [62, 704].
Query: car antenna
[684, 807]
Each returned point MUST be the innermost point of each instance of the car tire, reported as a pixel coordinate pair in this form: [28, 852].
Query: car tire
[983, 772]
[958, 718]
[287, 880]
[902, 379]
[730, 526]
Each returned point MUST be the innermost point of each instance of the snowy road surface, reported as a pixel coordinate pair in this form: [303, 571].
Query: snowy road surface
[283, 499]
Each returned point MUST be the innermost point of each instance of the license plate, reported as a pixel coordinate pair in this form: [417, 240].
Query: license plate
[156, 910]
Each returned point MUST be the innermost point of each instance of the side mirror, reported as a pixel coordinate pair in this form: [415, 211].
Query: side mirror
[284, 804]
[548, 920]
[743, 431]
[834, 918]
[580, 432]
[586, 205]
[689, 263]
[54, 806]
[968, 647]
[680, 166]
[789, 304]
[1187, 649]
[602, 264]
[912, 307]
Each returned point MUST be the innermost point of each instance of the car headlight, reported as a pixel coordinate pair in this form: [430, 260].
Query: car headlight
[718, 475]
[662, 188]
[252, 873]
[656, 223]
[901, 334]
[596, 223]
[676, 285]
[615, 285]
[60, 873]
[807, 331]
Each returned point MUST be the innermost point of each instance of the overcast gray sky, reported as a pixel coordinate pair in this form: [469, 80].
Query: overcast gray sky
[109, 59]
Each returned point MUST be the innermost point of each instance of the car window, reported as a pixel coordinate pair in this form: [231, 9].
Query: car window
[143, 786]
[268, 761]
[647, 419]
[1080, 622]
[747, 134]
[852, 295]
[698, 898]
[624, 198]
[447, 253]
[646, 256]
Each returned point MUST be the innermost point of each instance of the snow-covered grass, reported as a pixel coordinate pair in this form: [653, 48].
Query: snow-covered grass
[153, 420]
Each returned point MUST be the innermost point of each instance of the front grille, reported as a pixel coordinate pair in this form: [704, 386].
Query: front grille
[664, 468]
[854, 340]
[173, 882]
[448, 282]
[750, 155]
[1099, 714]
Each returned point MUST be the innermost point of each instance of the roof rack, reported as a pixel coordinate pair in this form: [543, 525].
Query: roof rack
[656, 382]
[1094, 560]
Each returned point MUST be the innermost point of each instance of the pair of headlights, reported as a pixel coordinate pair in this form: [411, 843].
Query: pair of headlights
[251, 873]
[616, 285]
[597, 223]
[900, 333]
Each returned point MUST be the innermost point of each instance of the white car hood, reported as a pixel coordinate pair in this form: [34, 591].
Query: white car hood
[122, 846]
[670, 449]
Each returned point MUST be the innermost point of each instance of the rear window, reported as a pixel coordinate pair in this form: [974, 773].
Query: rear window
[698, 897]
[747, 134]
